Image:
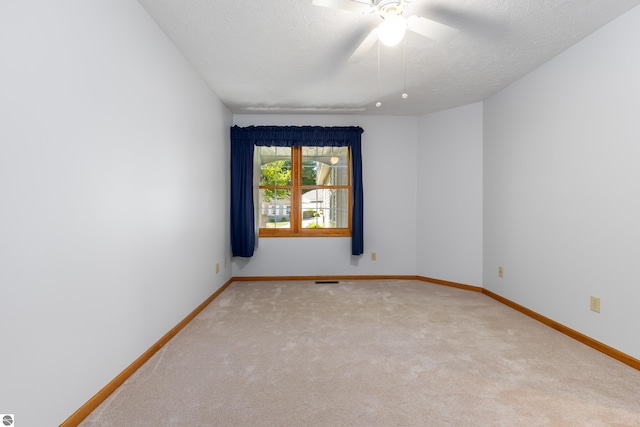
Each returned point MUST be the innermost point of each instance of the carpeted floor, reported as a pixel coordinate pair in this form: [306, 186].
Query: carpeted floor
[371, 353]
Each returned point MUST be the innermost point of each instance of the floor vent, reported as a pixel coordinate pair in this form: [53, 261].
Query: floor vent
[323, 282]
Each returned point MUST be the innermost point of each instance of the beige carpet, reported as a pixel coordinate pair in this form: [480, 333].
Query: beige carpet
[371, 353]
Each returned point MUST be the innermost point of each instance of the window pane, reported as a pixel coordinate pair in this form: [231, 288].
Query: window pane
[325, 208]
[325, 166]
[275, 165]
[275, 208]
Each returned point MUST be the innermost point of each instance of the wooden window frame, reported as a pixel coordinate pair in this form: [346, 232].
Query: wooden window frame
[296, 188]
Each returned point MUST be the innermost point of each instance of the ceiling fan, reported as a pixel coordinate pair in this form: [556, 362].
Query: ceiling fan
[394, 22]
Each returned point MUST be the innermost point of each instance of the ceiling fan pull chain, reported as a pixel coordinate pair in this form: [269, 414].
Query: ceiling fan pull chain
[404, 93]
[378, 104]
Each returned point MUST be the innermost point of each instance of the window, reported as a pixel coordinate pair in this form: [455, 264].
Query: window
[246, 210]
[304, 191]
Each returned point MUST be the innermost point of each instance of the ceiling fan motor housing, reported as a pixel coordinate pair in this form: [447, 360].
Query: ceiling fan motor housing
[386, 7]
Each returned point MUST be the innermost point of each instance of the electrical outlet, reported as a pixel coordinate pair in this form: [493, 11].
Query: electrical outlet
[374, 256]
[594, 304]
[500, 272]
[217, 267]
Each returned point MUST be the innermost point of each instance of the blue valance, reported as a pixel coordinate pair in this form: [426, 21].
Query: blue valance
[293, 136]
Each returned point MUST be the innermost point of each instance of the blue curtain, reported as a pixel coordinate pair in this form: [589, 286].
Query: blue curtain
[243, 139]
[243, 237]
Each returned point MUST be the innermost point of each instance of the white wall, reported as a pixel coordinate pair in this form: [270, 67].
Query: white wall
[562, 187]
[114, 197]
[449, 208]
[390, 185]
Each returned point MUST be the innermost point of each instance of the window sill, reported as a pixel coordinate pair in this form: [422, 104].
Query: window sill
[305, 233]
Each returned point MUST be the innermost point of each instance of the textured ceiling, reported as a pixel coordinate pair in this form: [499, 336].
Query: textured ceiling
[290, 56]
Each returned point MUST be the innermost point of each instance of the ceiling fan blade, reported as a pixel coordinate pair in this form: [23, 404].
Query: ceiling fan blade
[364, 47]
[353, 6]
[431, 29]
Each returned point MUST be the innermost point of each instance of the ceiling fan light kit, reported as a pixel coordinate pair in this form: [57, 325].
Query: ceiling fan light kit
[392, 30]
